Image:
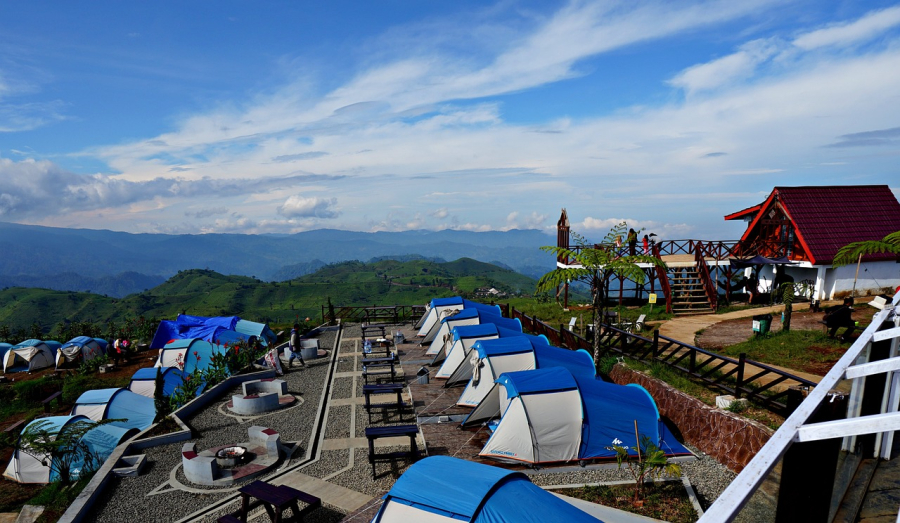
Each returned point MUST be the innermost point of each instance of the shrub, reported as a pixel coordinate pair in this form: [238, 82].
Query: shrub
[35, 390]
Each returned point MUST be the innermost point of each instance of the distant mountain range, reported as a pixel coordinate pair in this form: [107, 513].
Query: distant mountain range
[208, 293]
[119, 263]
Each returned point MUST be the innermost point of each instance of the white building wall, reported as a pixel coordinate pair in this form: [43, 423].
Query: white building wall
[874, 278]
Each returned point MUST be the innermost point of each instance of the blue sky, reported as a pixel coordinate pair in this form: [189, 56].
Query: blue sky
[278, 117]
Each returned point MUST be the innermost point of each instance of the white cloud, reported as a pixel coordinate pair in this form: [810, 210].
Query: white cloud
[514, 220]
[597, 227]
[722, 71]
[868, 27]
[300, 207]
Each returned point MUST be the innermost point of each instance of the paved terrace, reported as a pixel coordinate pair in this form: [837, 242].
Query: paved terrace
[328, 458]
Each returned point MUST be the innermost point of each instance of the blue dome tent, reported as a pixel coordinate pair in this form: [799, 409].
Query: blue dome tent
[440, 307]
[188, 355]
[143, 381]
[136, 410]
[100, 441]
[456, 368]
[552, 415]
[30, 355]
[468, 317]
[491, 358]
[80, 348]
[441, 489]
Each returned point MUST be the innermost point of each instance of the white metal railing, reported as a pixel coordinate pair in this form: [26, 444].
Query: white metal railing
[853, 365]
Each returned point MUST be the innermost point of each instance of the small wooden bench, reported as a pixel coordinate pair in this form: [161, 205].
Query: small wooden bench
[379, 368]
[391, 431]
[274, 498]
[385, 388]
[49, 400]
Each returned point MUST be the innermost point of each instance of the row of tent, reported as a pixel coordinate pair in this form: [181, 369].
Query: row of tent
[132, 413]
[100, 441]
[219, 330]
[541, 403]
[32, 355]
[133, 408]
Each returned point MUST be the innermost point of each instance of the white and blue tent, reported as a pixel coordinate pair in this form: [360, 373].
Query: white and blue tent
[188, 355]
[443, 307]
[30, 355]
[136, 410]
[80, 348]
[456, 367]
[143, 381]
[551, 415]
[100, 441]
[468, 317]
[491, 358]
[4, 348]
[441, 489]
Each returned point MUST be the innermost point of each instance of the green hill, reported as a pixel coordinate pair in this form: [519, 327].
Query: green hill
[208, 293]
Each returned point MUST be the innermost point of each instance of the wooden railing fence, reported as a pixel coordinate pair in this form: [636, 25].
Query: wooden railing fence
[767, 386]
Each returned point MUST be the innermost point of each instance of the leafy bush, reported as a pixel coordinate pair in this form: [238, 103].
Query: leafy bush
[606, 364]
[75, 386]
[35, 390]
[91, 366]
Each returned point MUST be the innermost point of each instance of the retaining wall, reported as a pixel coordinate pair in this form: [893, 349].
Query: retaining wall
[731, 439]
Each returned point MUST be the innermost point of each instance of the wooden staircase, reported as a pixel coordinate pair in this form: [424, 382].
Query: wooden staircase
[688, 294]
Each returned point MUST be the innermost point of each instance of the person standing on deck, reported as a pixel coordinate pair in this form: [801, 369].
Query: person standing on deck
[632, 242]
[646, 245]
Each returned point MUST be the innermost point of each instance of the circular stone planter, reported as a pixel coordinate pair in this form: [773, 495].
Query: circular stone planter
[260, 455]
[261, 396]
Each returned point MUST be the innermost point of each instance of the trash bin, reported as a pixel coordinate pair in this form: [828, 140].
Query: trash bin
[422, 376]
[761, 324]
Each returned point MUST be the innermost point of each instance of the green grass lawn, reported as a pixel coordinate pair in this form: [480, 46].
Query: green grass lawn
[806, 350]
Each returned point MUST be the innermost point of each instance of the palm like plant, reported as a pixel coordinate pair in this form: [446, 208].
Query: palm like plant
[651, 463]
[853, 252]
[595, 265]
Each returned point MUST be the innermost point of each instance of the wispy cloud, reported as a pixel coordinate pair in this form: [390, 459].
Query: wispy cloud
[870, 26]
[879, 138]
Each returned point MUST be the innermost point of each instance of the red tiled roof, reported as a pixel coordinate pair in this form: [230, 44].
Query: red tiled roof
[827, 218]
[742, 213]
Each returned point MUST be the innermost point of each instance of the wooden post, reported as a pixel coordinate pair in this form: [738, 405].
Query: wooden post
[656, 343]
[621, 289]
[740, 374]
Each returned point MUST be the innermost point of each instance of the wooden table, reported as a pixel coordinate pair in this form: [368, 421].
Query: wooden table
[387, 361]
[275, 498]
[384, 388]
[374, 433]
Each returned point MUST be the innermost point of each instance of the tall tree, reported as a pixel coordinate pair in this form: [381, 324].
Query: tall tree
[595, 265]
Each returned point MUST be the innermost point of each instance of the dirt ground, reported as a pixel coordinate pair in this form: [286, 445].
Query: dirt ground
[730, 332]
